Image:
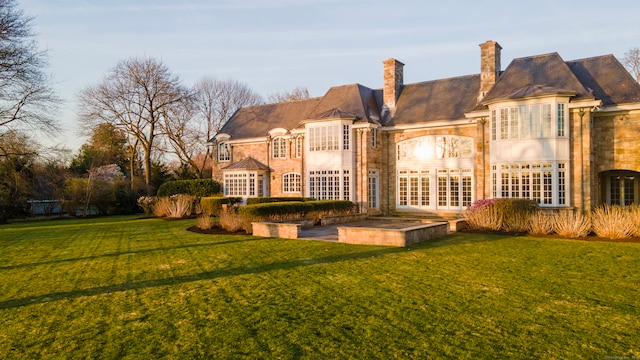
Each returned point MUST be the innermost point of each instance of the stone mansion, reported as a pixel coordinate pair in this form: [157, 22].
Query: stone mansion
[563, 133]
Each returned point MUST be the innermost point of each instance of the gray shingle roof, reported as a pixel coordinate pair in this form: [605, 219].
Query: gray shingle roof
[607, 78]
[446, 99]
[247, 163]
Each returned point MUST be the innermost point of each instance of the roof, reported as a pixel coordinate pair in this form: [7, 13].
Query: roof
[608, 80]
[549, 71]
[348, 101]
[247, 163]
[446, 99]
[600, 78]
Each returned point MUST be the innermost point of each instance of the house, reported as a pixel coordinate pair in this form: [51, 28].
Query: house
[563, 133]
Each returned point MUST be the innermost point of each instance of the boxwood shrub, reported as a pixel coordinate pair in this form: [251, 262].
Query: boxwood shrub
[262, 200]
[199, 187]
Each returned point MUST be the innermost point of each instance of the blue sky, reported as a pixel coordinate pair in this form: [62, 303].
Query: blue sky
[277, 45]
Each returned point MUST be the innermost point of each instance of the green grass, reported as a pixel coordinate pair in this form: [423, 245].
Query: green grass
[123, 287]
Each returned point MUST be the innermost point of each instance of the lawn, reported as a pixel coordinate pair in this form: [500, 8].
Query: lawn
[124, 287]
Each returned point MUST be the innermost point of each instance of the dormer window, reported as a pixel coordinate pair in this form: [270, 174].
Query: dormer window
[279, 148]
[224, 152]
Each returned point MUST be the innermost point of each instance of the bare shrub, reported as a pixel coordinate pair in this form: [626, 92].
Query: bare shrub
[174, 207]
[487, 218]
[612, 222]
[568, 223]
[540, 223]
[230, 220]
[204, 222]
[161, 207]
[634, 214]
[516, 222]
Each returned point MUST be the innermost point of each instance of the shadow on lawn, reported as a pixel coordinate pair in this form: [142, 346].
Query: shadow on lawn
[207, 275]
[132, 252]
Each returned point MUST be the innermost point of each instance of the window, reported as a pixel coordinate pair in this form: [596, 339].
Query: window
[329, 184]
[346, 136]
[534, 121]
[561, 130]
[235, 184]
[324, 138]
[299, 145]
[373, 189]
[374, 138]
[291, 183]
[545, 183]
[279, 148]
[224, 154]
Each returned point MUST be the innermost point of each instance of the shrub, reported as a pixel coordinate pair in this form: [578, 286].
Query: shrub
[299, 209]
[213, 205]
[568, 223]
[262, 200]
[540, 223]
[613, 222]
[147, 203]
[230, 220]
[484, 217]
[175, 207]
[204, 221]
[199, 188]
[515, 213]
[634, 214]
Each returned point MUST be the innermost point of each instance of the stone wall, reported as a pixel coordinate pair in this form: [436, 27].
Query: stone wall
[391, 237]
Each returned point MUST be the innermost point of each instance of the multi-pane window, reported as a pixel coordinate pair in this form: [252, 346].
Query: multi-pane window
[373, 189]
[561, 121]
[545, 183]
[328, 184]
[374, 138]
[299, 145]
[291, 182]
[235, 184]
[346, 136]
[533, 121]
[324, 138]
[279, 148]
[224, 153]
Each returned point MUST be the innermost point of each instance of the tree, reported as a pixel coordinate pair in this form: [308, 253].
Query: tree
[106, 145]
[196, 121]
[631, 61]
[136, 97]
[17, 156]
[26, 99]
[299, 93]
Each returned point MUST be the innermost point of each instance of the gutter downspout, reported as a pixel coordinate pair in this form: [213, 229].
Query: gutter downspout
[581, 160]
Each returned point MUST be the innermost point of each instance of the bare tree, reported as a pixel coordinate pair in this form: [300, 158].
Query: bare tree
[196, 121]
[26, 99]
[631, 61]
[137, 96]
[298, 93]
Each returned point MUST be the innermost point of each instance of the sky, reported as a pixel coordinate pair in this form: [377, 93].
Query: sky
[278, 45]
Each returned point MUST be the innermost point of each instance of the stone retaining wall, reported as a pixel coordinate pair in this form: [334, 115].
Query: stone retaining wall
[392, 237]
[341, 219]
[273, 229]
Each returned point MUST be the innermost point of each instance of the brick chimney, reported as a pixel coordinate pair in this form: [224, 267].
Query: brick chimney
[489, 66]
[393, 80]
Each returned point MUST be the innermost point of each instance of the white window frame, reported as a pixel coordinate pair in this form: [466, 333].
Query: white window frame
[224, 152]
[291, 183]
[546, 182]
[279, 148]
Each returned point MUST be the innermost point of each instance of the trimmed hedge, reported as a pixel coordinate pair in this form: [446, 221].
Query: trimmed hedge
[262, 200]
[296, 207]
[199, 188]
[213, 205]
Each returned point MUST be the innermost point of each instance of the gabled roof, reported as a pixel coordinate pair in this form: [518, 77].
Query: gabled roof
[608, 80]
[547, 70]
[247, 163]
[446, 99]
[354, 99]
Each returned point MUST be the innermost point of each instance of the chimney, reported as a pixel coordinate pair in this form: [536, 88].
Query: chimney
[489, 66]
[393, 80]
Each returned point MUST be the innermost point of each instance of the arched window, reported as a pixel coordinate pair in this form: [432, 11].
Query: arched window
[279, 148]
[291, 182]
[224, 152]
